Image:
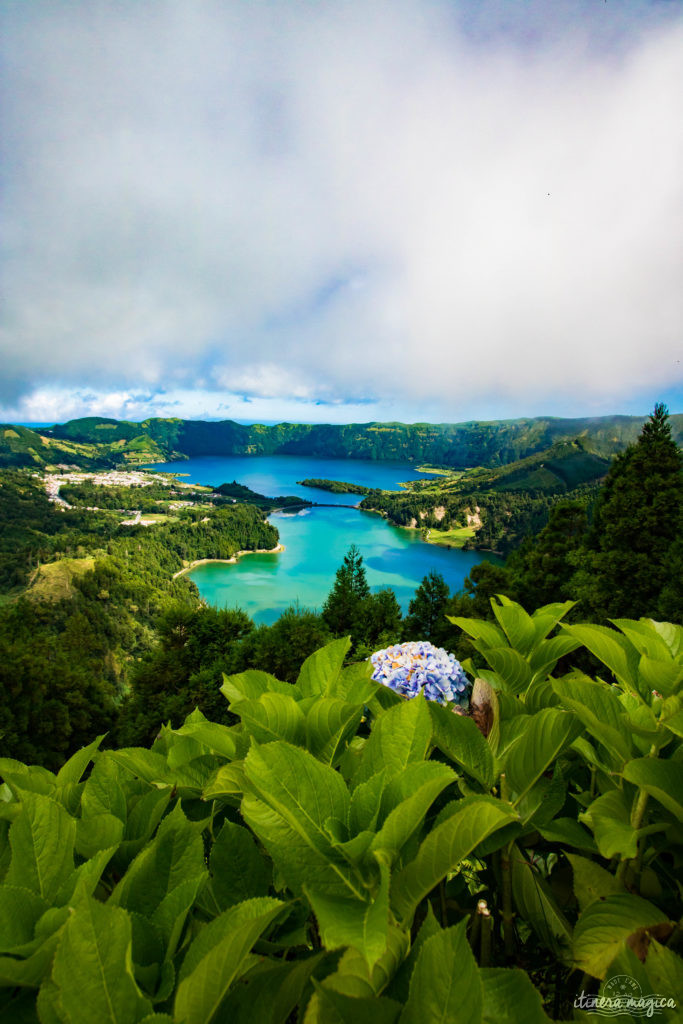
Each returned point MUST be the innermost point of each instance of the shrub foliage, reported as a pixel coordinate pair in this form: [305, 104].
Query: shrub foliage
[341, 854]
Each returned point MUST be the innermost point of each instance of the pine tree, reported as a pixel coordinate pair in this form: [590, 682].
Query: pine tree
[426, 618]
[633, 548]
[342, 609]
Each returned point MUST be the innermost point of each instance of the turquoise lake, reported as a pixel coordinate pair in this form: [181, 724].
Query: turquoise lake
[317, 539]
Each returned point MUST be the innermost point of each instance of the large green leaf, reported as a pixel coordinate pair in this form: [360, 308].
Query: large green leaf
[460, 739]
[612, 649]
[298, 797]
[320, 671]
[238, 870]
[510, 997]
[217, 957]
[598, 706]
[330, 723]
[93, 969]
[42, 841]
[511, 666]
[480, 629]
[517, 624]
[591, 882]
[274, 716]
[103, 792]
[444, 848]
[175, 856]
[399, 737]
[213, 737]
[20, 908]
[366, 803]
[252, 684]
[326, 1006]
[72, 770]
[446, 985]
[610, 819]
[406, 818]
[661, 779]
[270, 991]
[353, 977]
[360, 924]
[605, 924]
[537, 905]
[546, 735]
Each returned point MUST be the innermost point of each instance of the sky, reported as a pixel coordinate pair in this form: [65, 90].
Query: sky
[340, 210]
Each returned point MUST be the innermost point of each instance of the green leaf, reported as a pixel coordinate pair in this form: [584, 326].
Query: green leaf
[399, 737]
[354, 685]
[219, 739]
[516, 622]
[20, 908]
[591, 882]
[238, 871]
[665, 677]
[537, 905]
[93, 967]
[142, 764]
[511, 666]
[568, 832]
[103, 792]
[443, 850]
[326, 1006]
[598, 706]
[610, 819]
[352, 977]
[97, 832]
[510, 997]
[405, 819]
[330, 723]
[320, 671]
[73, 769]
[217, 957]
[227, 781]
[42, 841]
[274, 716]
[612, 649]
[440, 990]
[175, 856]
[400, 984]
[366, 803]
[546, 735]
[360, 924]
[460, 739]
[297, 797]
[480, 629]
[84, 880]
[252, 684]
[661, 779]
[605, 924]
[270, 991]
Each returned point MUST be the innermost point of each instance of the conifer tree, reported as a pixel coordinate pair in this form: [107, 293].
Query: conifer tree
[342, 609]
[629, 565]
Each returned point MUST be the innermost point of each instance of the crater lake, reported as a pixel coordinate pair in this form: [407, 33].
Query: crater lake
[316, 539]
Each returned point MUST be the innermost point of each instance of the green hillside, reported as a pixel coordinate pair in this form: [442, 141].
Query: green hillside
[461, 445]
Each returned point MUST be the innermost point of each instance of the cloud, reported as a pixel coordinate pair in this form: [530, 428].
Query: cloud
[424, 207]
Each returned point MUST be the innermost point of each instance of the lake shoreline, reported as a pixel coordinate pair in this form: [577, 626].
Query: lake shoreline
[228, 561]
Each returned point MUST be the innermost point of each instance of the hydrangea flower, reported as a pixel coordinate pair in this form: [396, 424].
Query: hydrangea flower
[419, 666]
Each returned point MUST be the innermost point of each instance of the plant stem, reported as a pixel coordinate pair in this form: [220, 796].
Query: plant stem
[507, 915]
[485, 947]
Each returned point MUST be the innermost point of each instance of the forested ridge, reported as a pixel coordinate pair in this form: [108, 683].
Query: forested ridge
[100, 441]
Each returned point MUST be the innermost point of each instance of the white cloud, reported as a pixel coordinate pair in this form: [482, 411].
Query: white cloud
[355, 201]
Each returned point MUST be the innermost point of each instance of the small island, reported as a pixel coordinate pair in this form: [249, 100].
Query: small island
[335, 486]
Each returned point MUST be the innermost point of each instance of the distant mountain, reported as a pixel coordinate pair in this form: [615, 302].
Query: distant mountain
[99, 441]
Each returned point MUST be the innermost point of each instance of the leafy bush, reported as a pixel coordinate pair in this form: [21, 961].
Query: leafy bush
[344, 854]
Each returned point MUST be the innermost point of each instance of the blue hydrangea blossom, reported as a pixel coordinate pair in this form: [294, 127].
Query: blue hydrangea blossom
[418, 666]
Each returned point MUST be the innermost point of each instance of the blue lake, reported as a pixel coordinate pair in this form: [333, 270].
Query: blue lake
[317, 539]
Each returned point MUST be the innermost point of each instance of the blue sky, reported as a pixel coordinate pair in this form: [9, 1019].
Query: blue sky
[341, 211]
